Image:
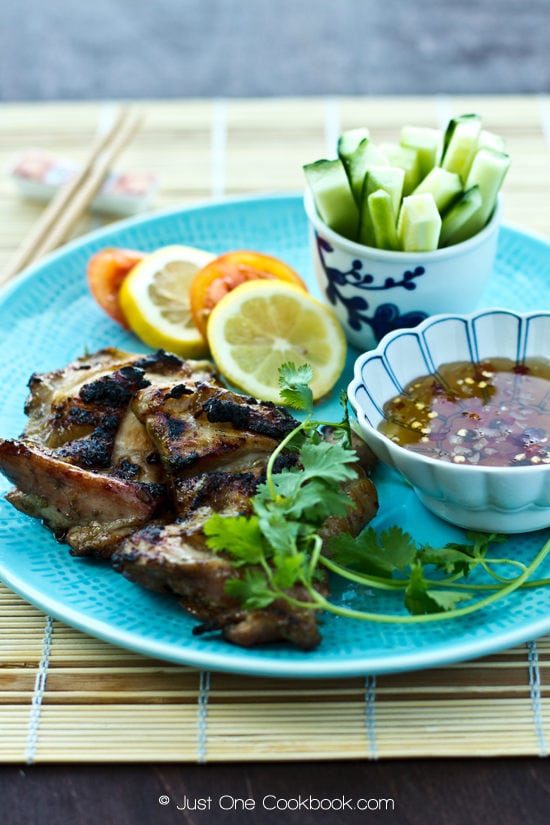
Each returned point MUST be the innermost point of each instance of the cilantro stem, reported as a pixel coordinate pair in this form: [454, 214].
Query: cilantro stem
[432, 617]
[485, 563]
[315, 555]
[537, 583]
[361, 578]
[277, 452]
[382, 583]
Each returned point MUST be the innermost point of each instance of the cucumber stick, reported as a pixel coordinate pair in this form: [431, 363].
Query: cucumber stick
[486, 175]
[488, 171]
[446, 187]
[349, 141]
[366, 154]
[332, 195]
[454, 227]
[407, 159]
[419, 224]
[490, 140]
[460, 144]
[426, 142]
[387, 178]
[382, 215]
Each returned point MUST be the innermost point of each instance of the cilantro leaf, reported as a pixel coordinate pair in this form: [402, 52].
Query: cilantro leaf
[279, 531]
[332, 462]
[362, 553]
[447, 599]
[460, 558]
[481, 541]
[239, 536]
[393, 551]
[312, 490]
[417, 599]
[324, 503]
[294, 385]
[399, 547]
[285, 485]
[453, 558]
[252, 590]
[313, 502]
[288, 570]
[420, 599]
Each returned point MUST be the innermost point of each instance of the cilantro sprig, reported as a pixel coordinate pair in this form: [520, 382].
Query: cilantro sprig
[279, 552]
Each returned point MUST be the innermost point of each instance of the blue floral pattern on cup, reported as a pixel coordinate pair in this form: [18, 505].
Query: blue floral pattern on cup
[386, 317]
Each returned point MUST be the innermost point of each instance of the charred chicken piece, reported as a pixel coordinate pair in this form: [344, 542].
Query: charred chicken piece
[213, 444]
[90, 511]
[195, 432]
[205, 427]
[174, 558]
[82, 412]
[53, 393]
[80, 417]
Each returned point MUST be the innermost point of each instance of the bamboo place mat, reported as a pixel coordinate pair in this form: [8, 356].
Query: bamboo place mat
[67, 697]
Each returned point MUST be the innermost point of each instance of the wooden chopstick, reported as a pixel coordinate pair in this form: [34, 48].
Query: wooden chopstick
[68, 205]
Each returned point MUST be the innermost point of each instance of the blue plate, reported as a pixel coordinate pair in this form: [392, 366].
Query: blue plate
[47, 319]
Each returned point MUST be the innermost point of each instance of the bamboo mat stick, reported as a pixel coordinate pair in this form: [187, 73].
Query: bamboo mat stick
[61, 215]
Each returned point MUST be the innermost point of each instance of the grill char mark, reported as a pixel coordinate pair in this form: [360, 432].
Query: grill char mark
[248, 414]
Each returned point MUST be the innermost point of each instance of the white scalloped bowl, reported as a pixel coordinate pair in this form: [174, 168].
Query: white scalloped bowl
[492, 499]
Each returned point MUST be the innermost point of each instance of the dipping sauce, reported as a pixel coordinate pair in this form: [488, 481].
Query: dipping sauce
[495, 413]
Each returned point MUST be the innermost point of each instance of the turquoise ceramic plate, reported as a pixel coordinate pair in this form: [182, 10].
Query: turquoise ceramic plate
[47, 318]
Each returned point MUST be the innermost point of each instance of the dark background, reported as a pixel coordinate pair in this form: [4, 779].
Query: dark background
[71, 49]
[110, 49]
[425, 792]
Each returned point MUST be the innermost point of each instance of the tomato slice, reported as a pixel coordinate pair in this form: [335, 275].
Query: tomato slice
[106, 271]
[224, 273]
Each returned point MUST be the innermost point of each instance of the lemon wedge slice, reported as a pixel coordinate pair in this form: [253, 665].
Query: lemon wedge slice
[260, 325]
[154, 299]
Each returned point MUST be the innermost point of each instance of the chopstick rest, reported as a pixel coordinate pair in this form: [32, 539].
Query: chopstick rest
[38, 175]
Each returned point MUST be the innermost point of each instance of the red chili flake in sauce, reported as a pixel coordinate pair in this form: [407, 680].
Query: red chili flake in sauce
[493, 413]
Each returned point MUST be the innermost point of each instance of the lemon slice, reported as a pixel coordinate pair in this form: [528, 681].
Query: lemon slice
[260, 325]
[154, 299]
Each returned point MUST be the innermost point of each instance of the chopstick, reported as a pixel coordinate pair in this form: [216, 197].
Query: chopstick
[72, 200]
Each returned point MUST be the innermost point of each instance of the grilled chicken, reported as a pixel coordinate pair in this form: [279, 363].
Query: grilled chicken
[214, 446]
[211, 442]
[126, 456]
[82, 412]
[90, 511]
[174, 558]
[85, 464]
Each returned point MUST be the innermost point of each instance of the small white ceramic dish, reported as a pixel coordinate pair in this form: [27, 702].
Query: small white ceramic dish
[374, 291]
[486, 498]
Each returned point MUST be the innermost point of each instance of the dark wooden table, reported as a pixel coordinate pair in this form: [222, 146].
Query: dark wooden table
[419, 792]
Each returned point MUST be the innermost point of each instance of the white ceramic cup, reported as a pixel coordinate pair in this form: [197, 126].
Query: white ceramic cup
[374, 291]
